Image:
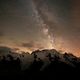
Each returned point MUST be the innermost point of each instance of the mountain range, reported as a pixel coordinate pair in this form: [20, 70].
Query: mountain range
[46, 63]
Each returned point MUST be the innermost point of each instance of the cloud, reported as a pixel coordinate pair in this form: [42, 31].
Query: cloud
[29, 45]
[32, 45]
[15, 49]
[4, 50]
[7, 49]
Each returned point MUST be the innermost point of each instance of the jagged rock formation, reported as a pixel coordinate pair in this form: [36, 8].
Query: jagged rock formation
[47, 63]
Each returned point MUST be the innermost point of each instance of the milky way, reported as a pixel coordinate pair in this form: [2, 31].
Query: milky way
[62, 18]
[44, 26]
[39, 24]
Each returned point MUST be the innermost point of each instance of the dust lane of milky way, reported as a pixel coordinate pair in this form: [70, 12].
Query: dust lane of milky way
[39, 24]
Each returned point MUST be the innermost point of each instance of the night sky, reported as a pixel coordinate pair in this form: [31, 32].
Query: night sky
[27, 25]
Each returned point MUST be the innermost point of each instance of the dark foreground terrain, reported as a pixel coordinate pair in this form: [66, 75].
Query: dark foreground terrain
[62, 66]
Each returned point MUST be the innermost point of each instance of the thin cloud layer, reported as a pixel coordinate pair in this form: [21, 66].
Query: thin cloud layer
[32, 45]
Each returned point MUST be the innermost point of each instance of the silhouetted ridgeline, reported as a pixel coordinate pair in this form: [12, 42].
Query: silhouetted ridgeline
[44, 63]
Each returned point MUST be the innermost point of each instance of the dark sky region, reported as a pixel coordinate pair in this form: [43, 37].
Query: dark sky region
[28, 25]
